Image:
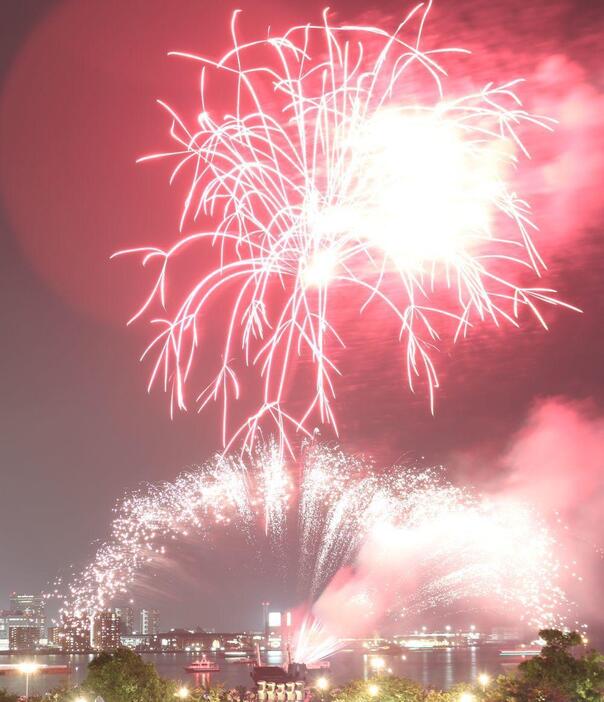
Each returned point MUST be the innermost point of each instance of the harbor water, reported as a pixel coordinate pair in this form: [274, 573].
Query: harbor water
[438, 668]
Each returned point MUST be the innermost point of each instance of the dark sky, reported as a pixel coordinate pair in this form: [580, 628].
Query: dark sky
[77, 428]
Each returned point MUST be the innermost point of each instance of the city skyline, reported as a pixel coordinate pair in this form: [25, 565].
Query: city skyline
[24, 628]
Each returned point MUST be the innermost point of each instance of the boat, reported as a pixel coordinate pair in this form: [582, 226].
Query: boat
[520, 652]
[202, 666]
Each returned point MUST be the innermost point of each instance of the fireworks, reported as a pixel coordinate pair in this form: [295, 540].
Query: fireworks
[342, 174]
[406, 532]
[312, 643]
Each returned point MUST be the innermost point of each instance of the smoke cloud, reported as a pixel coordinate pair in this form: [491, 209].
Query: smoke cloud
[572, 162]
[552, 469]
[555, 462]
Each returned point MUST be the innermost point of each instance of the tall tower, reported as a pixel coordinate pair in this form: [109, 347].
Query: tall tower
[126, 616]
[265, 606]
[32, 607]
[149, 622]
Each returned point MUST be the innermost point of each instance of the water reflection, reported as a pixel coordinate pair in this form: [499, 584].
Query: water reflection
[439, 668]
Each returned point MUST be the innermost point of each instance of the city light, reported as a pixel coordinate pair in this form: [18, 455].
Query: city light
[374, 690]
[467, 697]
[182, 693]
[484, 679]
[27, 668]
[377, 663]
[322, 683]
[80, 699]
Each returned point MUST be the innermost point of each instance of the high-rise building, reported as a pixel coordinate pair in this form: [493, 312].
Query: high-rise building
[23, 638]
[106, 635]
[279, 630]
[54, 636]
[10, 619]
[75, 635]
[149, 622]
[126, 617]
[32, 605]
[265, 606]
[25, 610]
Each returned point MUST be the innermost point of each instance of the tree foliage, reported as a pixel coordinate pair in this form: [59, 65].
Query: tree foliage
[123, 676]
[555, 675]
[392, 689]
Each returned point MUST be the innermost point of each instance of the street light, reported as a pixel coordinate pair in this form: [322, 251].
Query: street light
[373, 690]
[27, 668]
[182, 693]
[377, 663]
[483, 680]
[322, 683]
[80, 699]
[467, 697]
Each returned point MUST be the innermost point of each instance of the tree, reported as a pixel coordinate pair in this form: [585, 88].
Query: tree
[123, 676]
[387, 689]
[7, 696]
[382, 689]
[214, 693]
[555, 675]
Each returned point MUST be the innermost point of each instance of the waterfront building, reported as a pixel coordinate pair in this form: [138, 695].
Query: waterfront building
[54, 636]
[222, 644]
[106, 636]
[149, 622]
[279, 630]
[126, 617]
[10, 619]
[31, 605]
[506, 634]
[138, 642]
[23, 638]
[75, 635]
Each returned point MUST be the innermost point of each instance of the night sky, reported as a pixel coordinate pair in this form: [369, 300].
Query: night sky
[78, 81]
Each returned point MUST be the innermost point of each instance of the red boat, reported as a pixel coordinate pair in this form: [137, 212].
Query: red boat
[202, 666]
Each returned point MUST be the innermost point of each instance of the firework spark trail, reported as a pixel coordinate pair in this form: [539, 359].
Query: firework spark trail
[330, 174]
[215, 494]
[275, 486]
[461, 547]
[312, 643]
[332, 510]
[394, 528]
